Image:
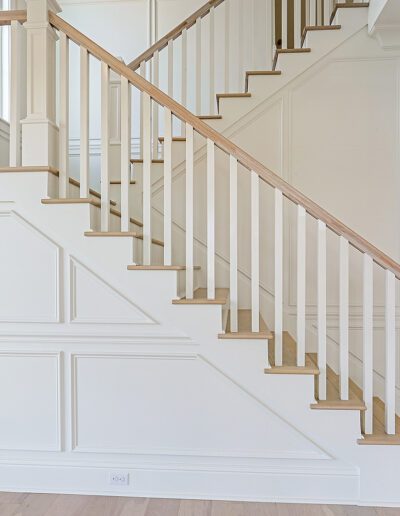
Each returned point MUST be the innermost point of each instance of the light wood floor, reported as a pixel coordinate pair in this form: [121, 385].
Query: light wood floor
[20, 504]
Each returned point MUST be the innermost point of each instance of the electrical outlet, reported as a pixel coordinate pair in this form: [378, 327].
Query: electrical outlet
[119, 479]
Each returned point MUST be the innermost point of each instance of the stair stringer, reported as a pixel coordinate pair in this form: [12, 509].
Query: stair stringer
[291, 463]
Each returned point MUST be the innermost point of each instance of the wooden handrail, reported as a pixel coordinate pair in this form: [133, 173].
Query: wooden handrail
[229, 147]
[174, 33]
[6, 17]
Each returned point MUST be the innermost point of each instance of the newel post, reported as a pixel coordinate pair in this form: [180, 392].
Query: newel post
[39, 128]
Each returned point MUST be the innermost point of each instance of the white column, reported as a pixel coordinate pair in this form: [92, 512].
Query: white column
[39, 129]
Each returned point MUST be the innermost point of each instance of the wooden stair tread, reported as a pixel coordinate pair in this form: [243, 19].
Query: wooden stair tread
[210, 117]
[293, 50]
[346, 5]
[140, 161]
[244, 324]
[116, 234]
[118, 182]
[296, 370]
[174, 139]
[200, 298]
[51, 170]
[354, 404]
[159, 267]
[380, 440]
[93, 202]
[71, 200]
[232, 95]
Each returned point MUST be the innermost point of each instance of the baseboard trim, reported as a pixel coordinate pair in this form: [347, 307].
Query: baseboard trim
[156, 482]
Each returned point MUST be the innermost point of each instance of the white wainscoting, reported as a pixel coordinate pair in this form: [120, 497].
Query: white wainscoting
[172, 404]
[30, 401]
[30, 273]
[93, 301]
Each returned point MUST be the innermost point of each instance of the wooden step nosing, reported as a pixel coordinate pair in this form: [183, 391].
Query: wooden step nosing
[339, 405]
[159, 267]
[245, 336]
[292, 370]
[27, 169]
[379, 440]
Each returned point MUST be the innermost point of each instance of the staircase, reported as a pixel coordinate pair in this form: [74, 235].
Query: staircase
[271, 417]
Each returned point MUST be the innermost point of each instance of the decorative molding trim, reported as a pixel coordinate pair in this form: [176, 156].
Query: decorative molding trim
[60, 405]
[232, 454]
[74, 316]
[55, 317]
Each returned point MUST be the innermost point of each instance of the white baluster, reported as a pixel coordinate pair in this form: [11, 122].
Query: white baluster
[227, 46]
[105, 149]
[368, 371]
[210, 219]
[184, 75]
[142, 71]
[269, 33]
[212, 59]
[84, 122]
[156, 81]
[198, 79]
[390, 377]
[313, 12]
[344, 318]
[146, 122]
[284, 23]
[167, 187]
[255, 252]
[125, 152]
[16, 78]
[64, 116]
[327, 12]
[301, 286]
[171, 68]
[321, 287]
[278, 276]
[240, 39]
[189, 211]
[297, 23]
[233, 243]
